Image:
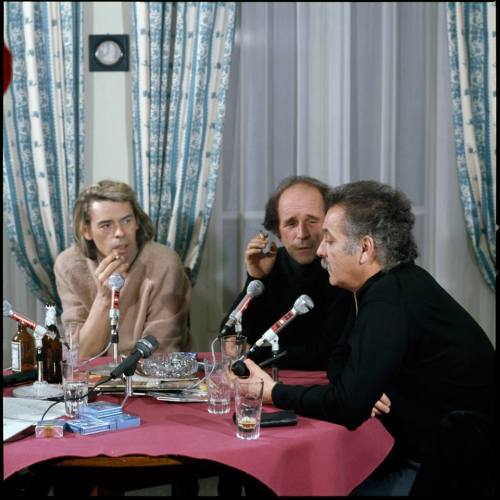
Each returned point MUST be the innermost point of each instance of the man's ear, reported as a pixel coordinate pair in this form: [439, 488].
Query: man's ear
[367, 254]
[86, 233]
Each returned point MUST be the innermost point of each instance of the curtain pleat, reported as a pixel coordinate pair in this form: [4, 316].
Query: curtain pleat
[472, 55]
[42, 135]
[181, 56]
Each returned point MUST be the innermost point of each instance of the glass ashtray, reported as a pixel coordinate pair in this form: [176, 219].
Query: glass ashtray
[170, 365]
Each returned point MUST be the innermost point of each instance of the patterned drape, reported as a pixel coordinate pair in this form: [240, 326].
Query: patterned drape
[181, 55]
[472, 50]
[42, 135]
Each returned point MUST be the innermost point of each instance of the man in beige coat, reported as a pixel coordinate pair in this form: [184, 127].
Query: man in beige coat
[114, 235]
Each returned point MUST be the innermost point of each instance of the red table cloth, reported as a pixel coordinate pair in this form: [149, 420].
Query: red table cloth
[311, 458]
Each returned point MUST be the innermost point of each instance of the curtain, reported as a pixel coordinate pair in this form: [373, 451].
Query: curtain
[343, 92]
[181, 55]
[42, 135]
[472, 57]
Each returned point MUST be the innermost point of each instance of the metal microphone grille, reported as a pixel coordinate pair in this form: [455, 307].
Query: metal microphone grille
[303, 304]
[255, 288]
[7, 308]
[116, 281]
[147, 345]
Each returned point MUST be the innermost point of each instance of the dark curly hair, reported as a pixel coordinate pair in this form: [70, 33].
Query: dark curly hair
[271, 217]
[108, 190]
[382, 212]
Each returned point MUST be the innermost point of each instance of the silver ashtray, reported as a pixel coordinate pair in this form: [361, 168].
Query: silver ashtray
[170, 365]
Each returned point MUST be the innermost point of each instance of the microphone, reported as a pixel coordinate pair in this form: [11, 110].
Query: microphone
[142, 349]
[254, 289]
[38, 330]
[301, 306]
[115, 282]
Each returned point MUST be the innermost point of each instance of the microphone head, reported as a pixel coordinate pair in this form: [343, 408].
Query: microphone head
[255, 288]
[116, 281]
[7, 308]
[240, 369]
[303, 304]
[147, 345]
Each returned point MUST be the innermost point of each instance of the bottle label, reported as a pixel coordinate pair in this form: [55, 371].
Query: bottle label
[16, 356]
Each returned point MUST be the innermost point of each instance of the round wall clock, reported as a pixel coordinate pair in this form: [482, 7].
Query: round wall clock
[108, 52]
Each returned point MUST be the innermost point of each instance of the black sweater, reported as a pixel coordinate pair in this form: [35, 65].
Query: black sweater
[413, 341]
[303, 336]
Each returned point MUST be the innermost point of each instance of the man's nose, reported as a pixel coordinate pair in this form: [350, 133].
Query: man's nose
[319, 251]
[302, 231]
[119, 231]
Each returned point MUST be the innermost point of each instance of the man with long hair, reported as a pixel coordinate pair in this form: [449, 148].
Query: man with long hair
[114, 235]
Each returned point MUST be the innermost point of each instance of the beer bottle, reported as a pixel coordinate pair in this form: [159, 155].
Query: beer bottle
[52, 348]
[22, 350]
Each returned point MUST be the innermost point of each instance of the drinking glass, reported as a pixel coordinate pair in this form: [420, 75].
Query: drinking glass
[75, 388]
[218, 386]
[248, 407]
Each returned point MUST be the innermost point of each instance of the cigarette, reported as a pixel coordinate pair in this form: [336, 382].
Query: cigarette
[262, 234]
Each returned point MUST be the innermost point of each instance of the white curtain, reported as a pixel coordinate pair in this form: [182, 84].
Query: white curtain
[341, 91]
[181, 56]
[43, 135]
[472, 46]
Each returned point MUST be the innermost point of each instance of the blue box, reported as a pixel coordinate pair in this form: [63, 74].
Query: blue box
[123, 421]
[87, 425]
[101, 409]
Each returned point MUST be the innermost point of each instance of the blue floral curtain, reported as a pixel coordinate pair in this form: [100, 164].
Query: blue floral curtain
[42, 135]
[472, 51]
[181, 55]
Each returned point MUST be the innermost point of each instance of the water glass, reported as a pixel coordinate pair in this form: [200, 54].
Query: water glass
[248, 407]
[75, 388]
[218, 386]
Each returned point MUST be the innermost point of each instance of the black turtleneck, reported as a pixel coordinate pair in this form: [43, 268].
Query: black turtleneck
[413, 341]
[286, 282]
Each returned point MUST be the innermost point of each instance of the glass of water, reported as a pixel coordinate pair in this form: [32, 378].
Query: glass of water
[75, 388]
[218, 386]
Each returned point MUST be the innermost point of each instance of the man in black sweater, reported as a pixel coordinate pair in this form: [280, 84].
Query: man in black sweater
[294, 213]
[406, 337]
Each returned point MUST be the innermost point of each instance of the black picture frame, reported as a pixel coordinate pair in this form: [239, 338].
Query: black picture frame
[121, 65]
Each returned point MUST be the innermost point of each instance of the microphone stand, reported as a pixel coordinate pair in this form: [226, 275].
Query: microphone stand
[114, 339]
[114, 314]
[129, 391]
[274, 364]
[40, 389]
[237, 327]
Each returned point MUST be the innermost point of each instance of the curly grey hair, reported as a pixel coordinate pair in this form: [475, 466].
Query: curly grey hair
[382, 212]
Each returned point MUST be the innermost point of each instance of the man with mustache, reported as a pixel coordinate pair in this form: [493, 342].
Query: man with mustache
[294, 213]
[113, 235]
[406, 337]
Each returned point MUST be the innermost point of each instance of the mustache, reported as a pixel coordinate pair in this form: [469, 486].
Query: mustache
[324, 264]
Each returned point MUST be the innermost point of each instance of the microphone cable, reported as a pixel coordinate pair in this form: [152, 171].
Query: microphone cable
[60, 399]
